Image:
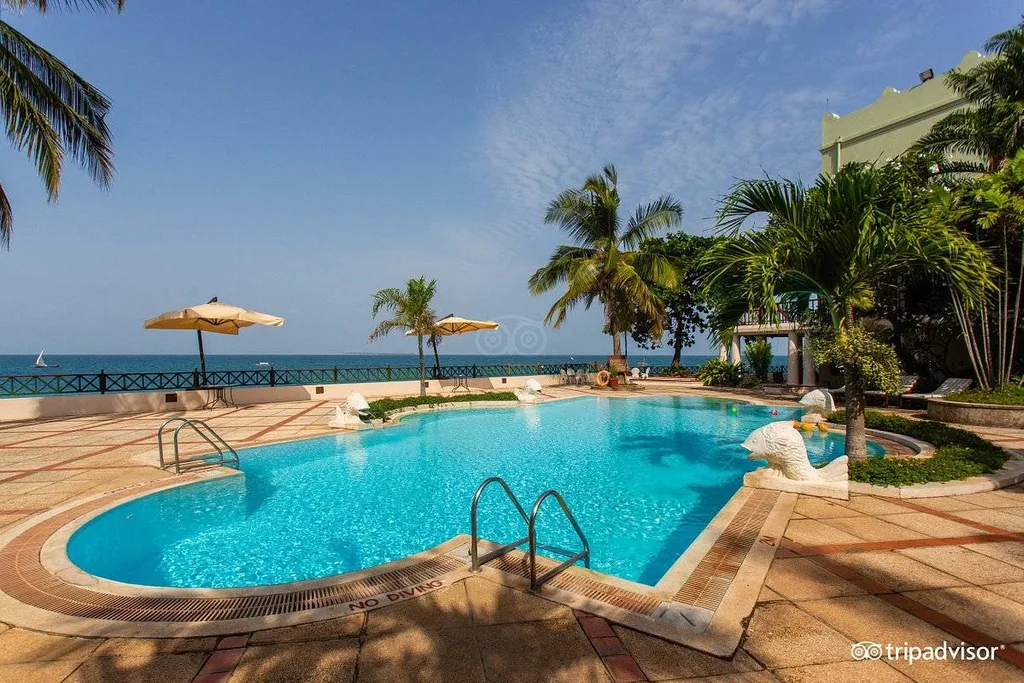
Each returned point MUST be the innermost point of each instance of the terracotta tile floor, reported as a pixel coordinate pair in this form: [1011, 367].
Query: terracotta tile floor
[867, 569]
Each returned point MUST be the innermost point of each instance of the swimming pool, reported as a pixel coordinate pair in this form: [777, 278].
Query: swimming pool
[642, 475]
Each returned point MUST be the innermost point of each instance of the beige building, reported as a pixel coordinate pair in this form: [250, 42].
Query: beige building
[889, 126]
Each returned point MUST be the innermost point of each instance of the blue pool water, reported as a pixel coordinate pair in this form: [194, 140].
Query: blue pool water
[643, 477]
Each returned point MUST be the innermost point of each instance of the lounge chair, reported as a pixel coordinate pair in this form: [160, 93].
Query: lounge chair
[950, 386]
[907, 383]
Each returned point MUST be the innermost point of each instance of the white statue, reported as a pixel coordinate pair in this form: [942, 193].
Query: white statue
[353, 414]
[782, 446]
[530, 391]
[818, 401]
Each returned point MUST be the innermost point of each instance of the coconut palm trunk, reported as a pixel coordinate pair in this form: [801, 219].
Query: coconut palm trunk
[856, 434]
[423, 367]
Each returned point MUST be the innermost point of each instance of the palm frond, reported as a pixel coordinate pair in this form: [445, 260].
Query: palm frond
[43, 6]
[6, 220]
[74, 109]
[661, 214]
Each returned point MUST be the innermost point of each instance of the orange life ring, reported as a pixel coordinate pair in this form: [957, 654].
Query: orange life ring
[603, 378]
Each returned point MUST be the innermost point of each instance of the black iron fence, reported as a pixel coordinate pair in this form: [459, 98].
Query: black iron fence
[108, 383]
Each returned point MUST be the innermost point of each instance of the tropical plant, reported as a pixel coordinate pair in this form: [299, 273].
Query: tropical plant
[990, 211]
[603, 264]
[759, 357]
[411, 311]
[720, 373]
[50, 111]
[832, 243]
[686, 307]
[992, 126]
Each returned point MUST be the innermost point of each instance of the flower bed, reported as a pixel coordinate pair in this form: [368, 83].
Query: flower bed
[959, 454]
[380, 408]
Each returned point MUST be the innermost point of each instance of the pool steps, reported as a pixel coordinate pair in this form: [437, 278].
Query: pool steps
[476, 561]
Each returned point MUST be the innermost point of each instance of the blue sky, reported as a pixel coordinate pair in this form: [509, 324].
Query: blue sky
[297, 161]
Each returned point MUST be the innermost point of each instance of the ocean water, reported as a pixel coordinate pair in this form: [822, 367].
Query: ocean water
[643, 476]
[74, 364]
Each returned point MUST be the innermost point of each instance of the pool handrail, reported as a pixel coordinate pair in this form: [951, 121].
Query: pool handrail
[220, 445]
[475, 560]
[584, 554]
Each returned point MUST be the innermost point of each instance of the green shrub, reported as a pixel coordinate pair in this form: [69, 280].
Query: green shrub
[750, 381]
[1007, 395]
[380, 408]
[720, 373]
[959, 454]
[759, 358]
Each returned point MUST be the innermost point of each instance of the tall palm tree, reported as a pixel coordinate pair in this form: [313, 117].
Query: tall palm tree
[412, 311]
[835, 242]
[51, 111]
[604, 264]
[992, 127]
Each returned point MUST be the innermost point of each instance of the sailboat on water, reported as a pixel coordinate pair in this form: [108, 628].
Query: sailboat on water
[41, 363]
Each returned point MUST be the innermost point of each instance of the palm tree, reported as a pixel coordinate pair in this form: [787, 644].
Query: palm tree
[411, 311]
[835, 242]
[992, 128]
[50, 111]
[604, 264]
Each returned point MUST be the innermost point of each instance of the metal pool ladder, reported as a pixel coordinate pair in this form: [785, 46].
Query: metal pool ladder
[476, 560]
[225, 455]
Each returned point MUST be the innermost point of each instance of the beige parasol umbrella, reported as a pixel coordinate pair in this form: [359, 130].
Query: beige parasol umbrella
[450, 325]
[210, 317]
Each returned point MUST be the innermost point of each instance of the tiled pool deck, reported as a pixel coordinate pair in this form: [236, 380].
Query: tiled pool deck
[868, 569]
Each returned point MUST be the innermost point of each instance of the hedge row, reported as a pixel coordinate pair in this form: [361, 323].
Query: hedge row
[380, 408]
[959, 454]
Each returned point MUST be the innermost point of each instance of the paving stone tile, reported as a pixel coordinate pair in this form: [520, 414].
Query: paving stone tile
[843, 672]
[662, 660]
[20, 645]
[869, 505]
[966, 564]
[444, 608]
[946, 504]
[991, 499]
[896, 571]
[1014, 591]
[318, 630]
[178, 668]
[997, 518]
[416, 654]
[493, 603]
[813, 532]
[313, 662]
[746, 677]
[37, 672]
[874, 529]
[768, 595]
[554, 650]
[979, 608]
[781, 635]
[801, 579]
[930, 525]
[1011, 552]
[148, 647]
[819, 508]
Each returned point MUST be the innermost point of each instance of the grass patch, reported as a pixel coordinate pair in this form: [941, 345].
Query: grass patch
[1006, 395]
[959, 454]
[380, 408]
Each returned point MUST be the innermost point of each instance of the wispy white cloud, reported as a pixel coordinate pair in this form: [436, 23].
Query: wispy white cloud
[630, 82]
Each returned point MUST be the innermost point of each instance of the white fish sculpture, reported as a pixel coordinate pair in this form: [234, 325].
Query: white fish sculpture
[353, 414]
[782, 446]
[530, 391]
[818, 401]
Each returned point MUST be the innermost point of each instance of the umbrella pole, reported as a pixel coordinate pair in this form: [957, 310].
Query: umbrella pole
[202, 356]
